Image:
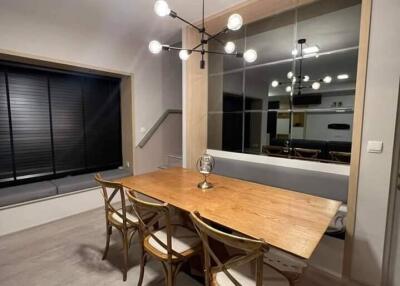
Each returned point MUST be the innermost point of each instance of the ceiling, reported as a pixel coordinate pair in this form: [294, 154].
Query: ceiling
[132, 21]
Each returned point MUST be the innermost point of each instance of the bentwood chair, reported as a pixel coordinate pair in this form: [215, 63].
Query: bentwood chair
[172, 244]
[123, 219]
[244, 268]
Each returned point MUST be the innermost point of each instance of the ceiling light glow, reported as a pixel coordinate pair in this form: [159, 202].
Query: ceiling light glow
[343, 76]
[311, 50]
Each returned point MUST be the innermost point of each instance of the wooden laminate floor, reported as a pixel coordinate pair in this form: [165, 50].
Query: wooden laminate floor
[68, 252]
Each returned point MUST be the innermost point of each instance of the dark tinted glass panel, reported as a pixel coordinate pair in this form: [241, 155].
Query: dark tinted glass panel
[30, 122]
[6, 168]
[232, 129]
[67, 118]
[102, 119]
[255, 131]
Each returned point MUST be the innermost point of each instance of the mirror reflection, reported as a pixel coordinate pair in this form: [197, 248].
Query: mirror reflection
[296, 100]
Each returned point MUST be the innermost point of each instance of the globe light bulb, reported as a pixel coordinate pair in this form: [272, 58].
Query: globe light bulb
[274, 83]
[184, 55]
[306, 78]
[250, 56]
[294, 79]
[288, 89]
[235, 22]
[161, 8]
[294, 52]
[229, 47]
[290, 75]
[155, 47]
[327, 79]
[316, 85]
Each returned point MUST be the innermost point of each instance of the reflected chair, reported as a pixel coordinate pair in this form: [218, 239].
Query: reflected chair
[245, 268]
[304, 153]
[171, 244]
[123, 219]
[276, 151]
[342, 157]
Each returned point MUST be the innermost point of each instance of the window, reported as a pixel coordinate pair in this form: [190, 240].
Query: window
[54, 123]
[297, 99]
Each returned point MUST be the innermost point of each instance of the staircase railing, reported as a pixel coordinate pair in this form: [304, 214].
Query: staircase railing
[156, 125]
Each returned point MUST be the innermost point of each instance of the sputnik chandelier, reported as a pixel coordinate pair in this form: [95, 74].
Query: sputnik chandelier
[295, 83]
[235, 22]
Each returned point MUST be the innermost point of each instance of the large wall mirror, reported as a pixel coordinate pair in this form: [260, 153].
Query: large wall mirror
[296, 100]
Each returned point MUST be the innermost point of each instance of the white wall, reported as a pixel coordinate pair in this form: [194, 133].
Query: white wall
[158, 81]
[382, 92]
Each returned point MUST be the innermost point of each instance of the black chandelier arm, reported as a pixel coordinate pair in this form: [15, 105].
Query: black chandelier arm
[174, 15]
[169, 48]
[237, 54]
[215, 36]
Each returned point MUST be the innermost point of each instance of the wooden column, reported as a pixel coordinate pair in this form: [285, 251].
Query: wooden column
[195, 87]
[366, 9]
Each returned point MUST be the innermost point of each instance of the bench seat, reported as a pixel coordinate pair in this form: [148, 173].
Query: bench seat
[28, 192]
[80, 182]
[33, 191]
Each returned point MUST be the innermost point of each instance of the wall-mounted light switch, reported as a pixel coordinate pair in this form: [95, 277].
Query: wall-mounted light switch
[143, 129]
[375, 146]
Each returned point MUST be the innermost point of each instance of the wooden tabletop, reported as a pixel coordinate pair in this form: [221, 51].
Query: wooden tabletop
[288, 220]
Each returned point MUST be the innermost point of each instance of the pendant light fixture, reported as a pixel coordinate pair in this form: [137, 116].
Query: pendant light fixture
[235, 22]
[296, 82]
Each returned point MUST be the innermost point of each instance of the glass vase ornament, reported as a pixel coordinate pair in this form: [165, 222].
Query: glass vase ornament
[205, 165]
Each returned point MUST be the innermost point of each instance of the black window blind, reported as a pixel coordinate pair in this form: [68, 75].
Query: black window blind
[6, 163]
[30, 117]
[68, 123]
[54, 123]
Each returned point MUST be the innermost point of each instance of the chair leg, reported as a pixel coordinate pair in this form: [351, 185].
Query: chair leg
[170, 275]
[125, 241]
[142, 260]
[109, 231]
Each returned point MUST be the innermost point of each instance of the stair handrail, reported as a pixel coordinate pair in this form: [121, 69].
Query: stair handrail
[156, 125]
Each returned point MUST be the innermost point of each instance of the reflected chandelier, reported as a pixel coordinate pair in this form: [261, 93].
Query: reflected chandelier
[235, 22]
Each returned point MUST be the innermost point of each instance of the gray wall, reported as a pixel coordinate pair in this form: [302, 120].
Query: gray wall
[321, 184]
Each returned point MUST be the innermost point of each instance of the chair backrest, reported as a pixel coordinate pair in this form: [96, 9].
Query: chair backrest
[149, 214]
[253, 250]
[110, 192]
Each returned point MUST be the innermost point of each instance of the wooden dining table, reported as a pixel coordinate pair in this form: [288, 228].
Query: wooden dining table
[288, 220]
